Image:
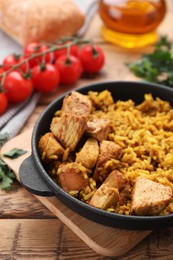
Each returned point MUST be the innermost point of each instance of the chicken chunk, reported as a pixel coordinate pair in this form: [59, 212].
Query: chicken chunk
[71, 177]
[105, 197]
[149, 197]
[117, 179]
[77, 104]
[68, 129]
[49, 147]
[88, 154]
[109, 193]
[98, 128]
[108, 150]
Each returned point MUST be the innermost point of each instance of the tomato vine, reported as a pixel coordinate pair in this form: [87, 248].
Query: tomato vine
[41, 62]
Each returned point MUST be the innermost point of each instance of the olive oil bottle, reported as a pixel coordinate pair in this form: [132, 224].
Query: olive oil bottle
[131, 23]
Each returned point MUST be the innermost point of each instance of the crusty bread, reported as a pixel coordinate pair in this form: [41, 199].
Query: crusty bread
[34, 20]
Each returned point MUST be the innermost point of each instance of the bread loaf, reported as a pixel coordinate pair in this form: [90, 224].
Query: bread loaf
[39, 20]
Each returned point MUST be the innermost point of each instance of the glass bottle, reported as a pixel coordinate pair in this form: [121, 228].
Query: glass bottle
[131, 23]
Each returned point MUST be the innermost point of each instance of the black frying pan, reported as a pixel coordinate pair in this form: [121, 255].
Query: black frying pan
[34, 177]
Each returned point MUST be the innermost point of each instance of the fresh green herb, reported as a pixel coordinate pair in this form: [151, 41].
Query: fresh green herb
[14, 153]
[156, 67]
[7, 176]
[3, 138]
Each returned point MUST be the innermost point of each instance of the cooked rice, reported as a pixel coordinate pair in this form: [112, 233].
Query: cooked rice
[145, 133]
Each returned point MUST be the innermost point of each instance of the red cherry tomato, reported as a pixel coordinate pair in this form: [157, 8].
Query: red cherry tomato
[73, 51]
[12, 60]
[3, 103]
[36, 47]
[45, 77]
[16, 87]
[70, 69]
[92, 58]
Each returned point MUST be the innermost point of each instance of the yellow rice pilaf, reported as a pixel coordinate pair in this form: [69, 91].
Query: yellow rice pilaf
[145, 134]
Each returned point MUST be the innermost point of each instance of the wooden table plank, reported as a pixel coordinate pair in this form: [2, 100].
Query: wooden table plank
[50, 239]
[19, 203]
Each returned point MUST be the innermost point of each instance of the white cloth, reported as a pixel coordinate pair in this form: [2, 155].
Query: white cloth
[16, 116]
[14, 119]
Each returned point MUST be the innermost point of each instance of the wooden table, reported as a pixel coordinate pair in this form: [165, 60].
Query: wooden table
[28, 230]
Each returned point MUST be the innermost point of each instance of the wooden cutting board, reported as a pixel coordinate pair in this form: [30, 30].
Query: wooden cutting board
[103, 240]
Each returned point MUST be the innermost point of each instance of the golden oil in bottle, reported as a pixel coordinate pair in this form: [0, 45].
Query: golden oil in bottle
[131, 23]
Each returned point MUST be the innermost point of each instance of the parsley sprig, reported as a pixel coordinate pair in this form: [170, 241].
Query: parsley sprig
[14, 153]
[3, 138]
[7, 176]
[156, 67]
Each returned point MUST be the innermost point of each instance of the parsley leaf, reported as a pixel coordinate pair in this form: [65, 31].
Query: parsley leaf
[7, 176]
[3, 138]
[14, 153]
[5, 183]
[156, 67]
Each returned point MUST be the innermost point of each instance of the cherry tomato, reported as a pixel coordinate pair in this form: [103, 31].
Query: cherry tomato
[92, 58]
[12, 60]
[16, 87]
[70, 69]
[36, 47]
[3, 103]
[45, 77]
[73, 51]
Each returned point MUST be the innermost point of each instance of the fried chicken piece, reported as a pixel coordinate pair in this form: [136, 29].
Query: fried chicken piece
[77, 104]
[104, 197]
[49, 147]
[149, 197]
[108, 150]
[98, 128]
[68, 129]
[88, 155]
[72, 177]
[109, 193]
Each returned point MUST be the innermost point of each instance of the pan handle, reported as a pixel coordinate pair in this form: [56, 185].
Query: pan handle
[30, 178]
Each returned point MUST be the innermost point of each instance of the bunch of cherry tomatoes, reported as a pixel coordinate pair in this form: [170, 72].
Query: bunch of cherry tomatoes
[42, 67]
